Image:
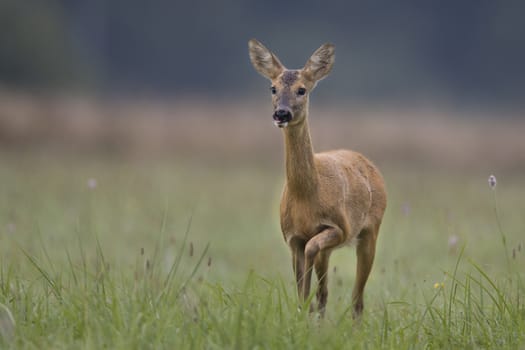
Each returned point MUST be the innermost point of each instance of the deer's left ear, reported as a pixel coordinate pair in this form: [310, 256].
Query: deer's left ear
[321, 62]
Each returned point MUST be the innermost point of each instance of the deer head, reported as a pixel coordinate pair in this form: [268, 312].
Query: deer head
[291, 87]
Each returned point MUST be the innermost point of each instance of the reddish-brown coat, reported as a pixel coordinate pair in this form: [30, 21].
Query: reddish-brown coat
[330, 199]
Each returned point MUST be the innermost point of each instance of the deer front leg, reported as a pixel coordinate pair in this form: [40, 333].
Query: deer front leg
[297, 248]
[321, 270]
[322, 243]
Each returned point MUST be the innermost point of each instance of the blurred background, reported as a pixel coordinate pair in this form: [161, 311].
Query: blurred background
[437, 82]
[113, 113]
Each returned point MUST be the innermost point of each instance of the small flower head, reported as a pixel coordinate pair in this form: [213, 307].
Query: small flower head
[492, 181]
[92, 183]
[453, 243]
[438, 285]
[406, 209]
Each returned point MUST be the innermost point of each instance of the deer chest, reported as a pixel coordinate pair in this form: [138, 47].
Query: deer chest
[300, 218]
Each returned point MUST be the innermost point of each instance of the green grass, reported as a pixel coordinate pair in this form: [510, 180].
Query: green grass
[177, 254]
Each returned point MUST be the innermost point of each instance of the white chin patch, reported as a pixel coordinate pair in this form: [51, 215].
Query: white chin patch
[280, 125]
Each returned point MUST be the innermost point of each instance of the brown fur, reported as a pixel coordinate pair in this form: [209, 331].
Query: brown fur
[330, 199]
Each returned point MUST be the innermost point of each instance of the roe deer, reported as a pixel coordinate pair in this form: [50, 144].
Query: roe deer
[329, 199]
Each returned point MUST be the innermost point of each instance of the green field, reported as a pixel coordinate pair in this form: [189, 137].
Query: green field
[120, 253]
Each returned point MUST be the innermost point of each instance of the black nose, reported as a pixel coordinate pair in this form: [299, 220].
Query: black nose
[282, 115]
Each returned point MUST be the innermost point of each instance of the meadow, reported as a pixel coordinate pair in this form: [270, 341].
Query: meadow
[183, 250]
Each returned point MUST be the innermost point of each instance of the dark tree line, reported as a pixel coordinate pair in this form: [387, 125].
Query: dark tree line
[385, 50]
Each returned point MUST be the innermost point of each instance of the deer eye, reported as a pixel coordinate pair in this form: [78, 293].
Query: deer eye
[301, 91]
[273, 90]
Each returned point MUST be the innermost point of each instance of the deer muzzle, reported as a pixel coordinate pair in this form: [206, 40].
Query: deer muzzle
[282, 116]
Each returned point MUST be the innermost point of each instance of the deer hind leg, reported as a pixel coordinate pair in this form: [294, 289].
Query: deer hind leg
[366, 248]
[322, 243]
[321, 270]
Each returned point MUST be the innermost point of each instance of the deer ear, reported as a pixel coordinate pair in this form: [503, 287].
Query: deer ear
[321, 62]
[264, 61]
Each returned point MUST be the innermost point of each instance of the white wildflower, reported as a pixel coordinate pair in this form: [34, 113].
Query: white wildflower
[492, 181]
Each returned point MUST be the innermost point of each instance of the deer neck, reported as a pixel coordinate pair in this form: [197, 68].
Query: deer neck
[301, 174]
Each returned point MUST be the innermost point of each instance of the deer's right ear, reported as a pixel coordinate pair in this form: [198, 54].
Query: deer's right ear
[264, 61]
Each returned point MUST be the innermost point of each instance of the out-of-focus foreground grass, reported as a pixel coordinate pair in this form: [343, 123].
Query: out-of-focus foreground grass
[57, 203]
